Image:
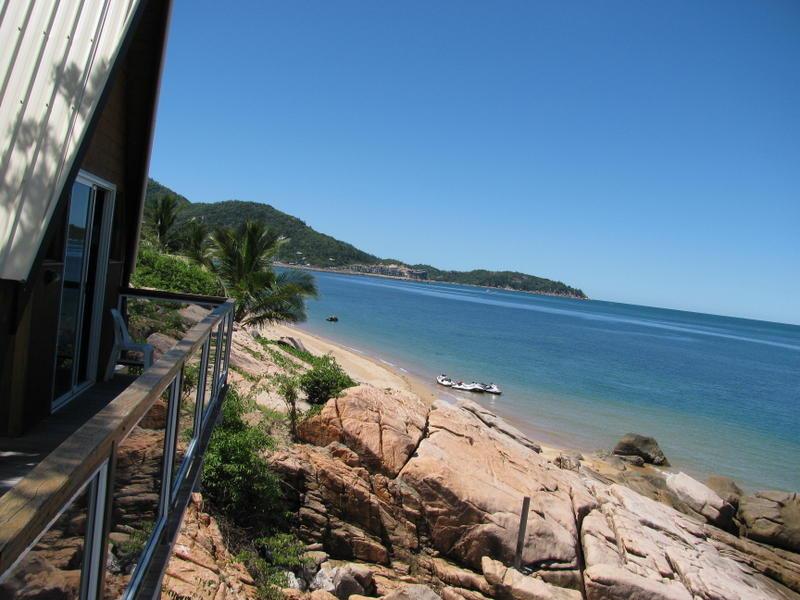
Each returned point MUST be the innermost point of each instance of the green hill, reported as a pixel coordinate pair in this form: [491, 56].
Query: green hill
[307, 246]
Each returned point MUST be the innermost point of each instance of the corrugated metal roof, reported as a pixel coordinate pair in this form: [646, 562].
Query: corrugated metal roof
[55, 61]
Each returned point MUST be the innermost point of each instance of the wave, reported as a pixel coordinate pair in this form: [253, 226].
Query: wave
[532, 305]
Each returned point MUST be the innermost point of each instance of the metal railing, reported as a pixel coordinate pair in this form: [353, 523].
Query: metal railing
[114, 493]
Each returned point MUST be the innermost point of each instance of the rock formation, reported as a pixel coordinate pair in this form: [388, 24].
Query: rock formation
[433, 491]
[201, 566]
[702, 500]
[772, 518]
[647, 448]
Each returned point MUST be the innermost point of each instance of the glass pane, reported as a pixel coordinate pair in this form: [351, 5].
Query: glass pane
[136, 496]
[69, 323]
[212, 358]
[186, 410]
[52, 569]
[221, 347]
[226, 330]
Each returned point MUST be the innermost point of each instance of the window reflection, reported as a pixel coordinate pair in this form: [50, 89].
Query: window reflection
[136, 502]
[52, 569]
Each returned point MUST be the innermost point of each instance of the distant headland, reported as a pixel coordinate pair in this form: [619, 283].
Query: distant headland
[308, 248]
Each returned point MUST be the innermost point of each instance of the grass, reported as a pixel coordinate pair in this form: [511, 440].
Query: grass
[245, 375]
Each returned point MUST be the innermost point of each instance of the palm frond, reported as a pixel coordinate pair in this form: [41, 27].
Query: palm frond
[242, 260]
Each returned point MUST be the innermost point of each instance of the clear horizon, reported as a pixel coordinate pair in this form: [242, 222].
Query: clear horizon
[644, 153]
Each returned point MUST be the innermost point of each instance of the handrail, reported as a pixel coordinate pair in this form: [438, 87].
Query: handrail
[29, 507]
[148, 294]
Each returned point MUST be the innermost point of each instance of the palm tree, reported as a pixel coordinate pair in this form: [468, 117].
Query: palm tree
[161, 216]
[195, 243]
[242, 259]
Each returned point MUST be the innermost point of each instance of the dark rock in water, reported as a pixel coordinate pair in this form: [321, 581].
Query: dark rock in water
[772, 518]
[726, 488]
[633, 444]
[636, 461]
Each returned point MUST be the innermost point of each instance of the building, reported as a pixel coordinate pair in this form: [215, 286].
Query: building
[390, 270]
[97, 463]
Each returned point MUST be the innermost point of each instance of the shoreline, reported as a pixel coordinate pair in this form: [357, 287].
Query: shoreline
[369, 368]
[427, 281]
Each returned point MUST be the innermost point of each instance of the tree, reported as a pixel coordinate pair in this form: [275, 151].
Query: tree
[194, 242]
[242, 259]
[160, 217]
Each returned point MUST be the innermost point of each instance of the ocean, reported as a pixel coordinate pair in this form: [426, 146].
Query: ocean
[721, 395]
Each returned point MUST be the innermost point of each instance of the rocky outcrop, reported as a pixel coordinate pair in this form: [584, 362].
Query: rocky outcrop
[471, 478]
[388, 478]
[702, 499]
[635, 547]
[413, 592]
[725, 488]
[383, 439]
[772, 518]
[201, 566]
[508, 583]
[633, 444]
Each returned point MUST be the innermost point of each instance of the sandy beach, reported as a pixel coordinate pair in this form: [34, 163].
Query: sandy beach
[373, 371]
[361, 367]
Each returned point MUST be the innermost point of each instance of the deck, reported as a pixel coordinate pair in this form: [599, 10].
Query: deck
[19, 455]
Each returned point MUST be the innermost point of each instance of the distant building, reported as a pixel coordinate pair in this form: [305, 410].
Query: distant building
[391, 270]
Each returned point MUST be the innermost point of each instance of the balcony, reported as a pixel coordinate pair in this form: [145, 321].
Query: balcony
[93, 497]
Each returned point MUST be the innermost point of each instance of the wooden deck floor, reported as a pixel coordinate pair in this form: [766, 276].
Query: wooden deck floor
[18, 455]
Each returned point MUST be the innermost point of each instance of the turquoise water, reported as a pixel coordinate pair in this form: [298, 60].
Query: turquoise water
[721, 395]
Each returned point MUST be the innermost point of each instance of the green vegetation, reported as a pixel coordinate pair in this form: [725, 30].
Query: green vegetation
[306, 246]
[241, 490]
[128, 551]
[242, 259]
[236, 478]
[171, 273]
[304, 355]
[268, 559]
[246, 496]
[160, 219]
[325, 380]
[288, 389]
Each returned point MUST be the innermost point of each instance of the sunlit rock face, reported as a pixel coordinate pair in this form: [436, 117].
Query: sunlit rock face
[389, 478]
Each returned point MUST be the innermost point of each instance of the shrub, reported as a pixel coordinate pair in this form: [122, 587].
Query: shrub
[287, 388]
[324, 380]
[268, 558]
[236, 477]
[173, 274]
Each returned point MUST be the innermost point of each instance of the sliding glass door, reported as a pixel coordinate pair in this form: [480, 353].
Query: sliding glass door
[85, 257]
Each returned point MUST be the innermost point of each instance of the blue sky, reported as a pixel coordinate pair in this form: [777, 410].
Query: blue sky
[647, 152]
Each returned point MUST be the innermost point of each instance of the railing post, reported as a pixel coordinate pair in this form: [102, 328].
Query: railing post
[94, 541]
[229, 342]
[172, 438]
[217, 363]
[523, 524]
[202, 378]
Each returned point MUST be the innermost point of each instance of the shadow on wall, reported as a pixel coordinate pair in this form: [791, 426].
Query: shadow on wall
[39, 153]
